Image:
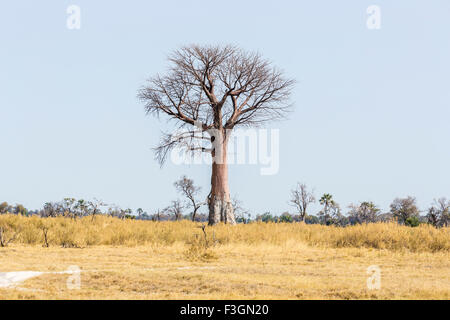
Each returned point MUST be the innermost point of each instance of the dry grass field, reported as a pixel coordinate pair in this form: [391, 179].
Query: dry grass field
[126, 259]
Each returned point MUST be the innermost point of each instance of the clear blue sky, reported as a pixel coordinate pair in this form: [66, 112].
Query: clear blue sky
[372, 107]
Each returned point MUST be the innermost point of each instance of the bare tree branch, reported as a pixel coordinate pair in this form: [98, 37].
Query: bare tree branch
[186, 187]
[301, 198]
[220, 87]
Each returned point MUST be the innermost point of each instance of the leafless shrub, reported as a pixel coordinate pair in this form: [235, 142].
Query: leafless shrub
[4, 242]
[301, 198]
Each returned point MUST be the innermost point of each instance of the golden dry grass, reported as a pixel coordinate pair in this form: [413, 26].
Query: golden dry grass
[104, 230]
[167, 260]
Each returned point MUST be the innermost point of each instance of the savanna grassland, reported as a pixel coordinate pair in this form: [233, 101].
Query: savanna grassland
[129, 259]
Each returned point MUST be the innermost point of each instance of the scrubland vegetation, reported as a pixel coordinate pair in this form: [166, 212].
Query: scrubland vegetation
[103, 230]
[173, 254]
[134, 259]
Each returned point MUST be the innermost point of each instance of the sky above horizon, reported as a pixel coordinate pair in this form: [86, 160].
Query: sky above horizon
[371, 107]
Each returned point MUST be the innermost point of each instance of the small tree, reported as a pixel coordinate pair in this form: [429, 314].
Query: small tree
[94, 207]
[139, 212]
[157, 216]
[439, 213]
[412, 221]
[116, 212]
[331, 212]
[175, 209]
[286, 217]
[81, 208]
[311, 219]
[50, 209]
[4, 208]
[20, 209]
[68, 206]
[301, 198]
[404, 208]
[242, 214]
[187, 188]
[365, 212]
[126, 214]
[266, 217]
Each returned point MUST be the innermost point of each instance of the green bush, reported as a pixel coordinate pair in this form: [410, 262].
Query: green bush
[412, 222]
[286, 217]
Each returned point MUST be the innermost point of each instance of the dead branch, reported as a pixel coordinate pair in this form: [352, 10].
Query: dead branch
[4, 242]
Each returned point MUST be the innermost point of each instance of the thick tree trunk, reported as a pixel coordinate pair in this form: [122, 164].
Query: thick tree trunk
[220, 207]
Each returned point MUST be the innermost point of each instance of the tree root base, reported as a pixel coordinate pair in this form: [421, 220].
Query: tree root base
[221, 211]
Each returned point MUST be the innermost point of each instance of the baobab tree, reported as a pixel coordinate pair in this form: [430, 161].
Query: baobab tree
[209, 91]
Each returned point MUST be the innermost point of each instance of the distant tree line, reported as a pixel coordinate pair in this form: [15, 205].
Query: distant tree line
[403, 210]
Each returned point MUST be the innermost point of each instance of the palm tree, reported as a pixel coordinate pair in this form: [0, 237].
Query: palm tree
[326, 201]
[330, 211]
